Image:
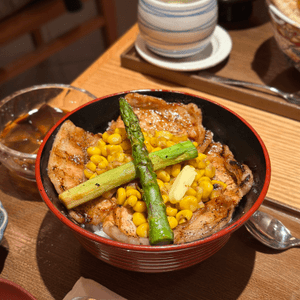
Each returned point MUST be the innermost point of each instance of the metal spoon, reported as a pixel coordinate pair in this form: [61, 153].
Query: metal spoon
[270, 231]
[293, 98]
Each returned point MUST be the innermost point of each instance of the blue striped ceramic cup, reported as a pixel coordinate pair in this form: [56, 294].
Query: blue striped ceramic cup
[177, 28]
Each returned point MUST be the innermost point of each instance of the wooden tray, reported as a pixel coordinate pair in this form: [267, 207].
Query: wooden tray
[255, 57]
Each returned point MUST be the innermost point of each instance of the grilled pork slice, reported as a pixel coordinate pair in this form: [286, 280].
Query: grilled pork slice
[68, 156]
[217, 212]
[177, 118]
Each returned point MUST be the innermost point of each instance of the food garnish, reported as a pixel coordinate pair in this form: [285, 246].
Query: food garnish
[125, 173]
[160, 232]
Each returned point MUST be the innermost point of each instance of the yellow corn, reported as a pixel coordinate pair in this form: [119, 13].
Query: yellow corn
[138, 218]
[191, 192]
[215, 194]
[121, 196]
[200, 173]
[176, 170]
[93, 150]
[172, 222]
[165, 134]
[131, 201]
[210, 171]
[203, 178]
[153, 142]
[114, 139]
[189, 203]
[220, 183]
[201, 204]
[199, 193]
[156, 149]
[111, 149]
[160, 183]
[171, 211]
[170, 143]
[93, 176]
[195, 144]
[88, 173]
[96, 158]
[120, 157]
[184, 216]
[105, 136]
[207, 188]
[90, 165]
[121, 132]
[177, 139]
[148, 146]
[101, 143]
[143, 230]
[140, 206]
[163, 175]
[133, 191]
[165, 198]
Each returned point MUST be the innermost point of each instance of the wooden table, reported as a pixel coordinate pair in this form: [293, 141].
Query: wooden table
[42, 256]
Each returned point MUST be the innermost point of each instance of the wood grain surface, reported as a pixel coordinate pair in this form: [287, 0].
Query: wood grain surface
[40, 254]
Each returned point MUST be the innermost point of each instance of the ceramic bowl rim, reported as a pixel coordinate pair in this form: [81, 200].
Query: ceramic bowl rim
[140, 248]
[176, 6]
[23, 155]
[273, 9]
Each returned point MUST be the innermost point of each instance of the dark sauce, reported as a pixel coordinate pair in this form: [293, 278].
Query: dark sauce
[26, 133]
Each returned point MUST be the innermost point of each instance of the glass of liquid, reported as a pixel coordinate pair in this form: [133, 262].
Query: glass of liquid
[27, 115]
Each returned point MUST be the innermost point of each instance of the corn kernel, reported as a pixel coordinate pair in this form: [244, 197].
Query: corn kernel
[195, 144]
[220, 183]
[161, 142]
[153, 142]
[138, 218]
[177, 139]
[120, 157]
[171, 211]
[165, 198]
[148, 146]
[140, 206]
[201, 205]
[93, 150]
[114, 139]
[214, 194]
[160, 183]
[164, 134]
[128, 158]
[156, 149]
[100, 171]
[176, 170]
[193, 162]
[170, 143]
[101, 143]
[110, 158]
[96, 158]
[172, 222]
[103, 163]
[200, 173]
[105, 136]
[203, 178]
[131, 201]
[143, 230]
[189, 202]
[163, 175]
[93, 176]
[121, 132]
[207, 188]
[168, 169]
[210, 171]
[133, 191]
[121, 196]
[111, 149]
[88, 173]
[199, 193]
[191, 192]
[90, 165]
[104, 151]
[184, 216]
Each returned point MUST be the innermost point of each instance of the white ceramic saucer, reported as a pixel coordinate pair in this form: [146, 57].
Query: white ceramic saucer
[217, 50]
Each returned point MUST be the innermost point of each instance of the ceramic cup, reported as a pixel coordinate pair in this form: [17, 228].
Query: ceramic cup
[177, 28]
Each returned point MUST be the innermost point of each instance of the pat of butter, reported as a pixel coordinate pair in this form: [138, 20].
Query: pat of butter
[181, 184]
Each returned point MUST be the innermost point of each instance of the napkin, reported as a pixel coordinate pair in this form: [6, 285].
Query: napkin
[92, 289]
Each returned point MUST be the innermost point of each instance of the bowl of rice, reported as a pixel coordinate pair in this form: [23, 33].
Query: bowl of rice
[285, 20]
[113, 226]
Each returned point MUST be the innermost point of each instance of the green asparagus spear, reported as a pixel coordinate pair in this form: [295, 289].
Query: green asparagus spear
[104, 182]
[160, 232]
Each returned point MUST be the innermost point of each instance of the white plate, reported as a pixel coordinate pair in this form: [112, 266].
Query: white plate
[217, 50]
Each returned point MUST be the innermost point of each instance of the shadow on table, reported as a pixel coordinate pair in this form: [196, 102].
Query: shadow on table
[271, 65]
[18, 187]
[62, 261]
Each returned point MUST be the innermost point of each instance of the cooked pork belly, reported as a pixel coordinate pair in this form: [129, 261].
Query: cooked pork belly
[155, 115]
[218, 211]
[68, 156]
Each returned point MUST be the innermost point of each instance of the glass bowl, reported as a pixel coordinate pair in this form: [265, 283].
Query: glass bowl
[19, 143]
